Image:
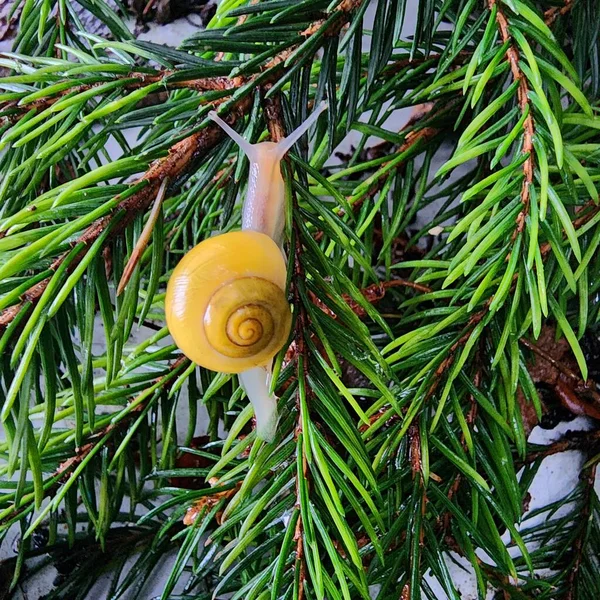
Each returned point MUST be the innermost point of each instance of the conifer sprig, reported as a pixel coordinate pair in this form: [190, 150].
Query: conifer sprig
[428, 271]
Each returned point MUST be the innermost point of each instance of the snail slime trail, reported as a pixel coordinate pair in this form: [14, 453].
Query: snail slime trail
[226, 304]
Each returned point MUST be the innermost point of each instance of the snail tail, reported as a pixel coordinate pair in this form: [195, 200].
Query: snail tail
[256, 383]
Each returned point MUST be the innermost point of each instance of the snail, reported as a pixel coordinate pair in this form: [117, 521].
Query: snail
[226, 304]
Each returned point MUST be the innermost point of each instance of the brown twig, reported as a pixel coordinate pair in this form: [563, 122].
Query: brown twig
[391, 418]
[206, 84]
[144, 238]
[372, 294]
[416, 467]
[556, 364]
[558, 11]
[512, 55]
[412, 139]
[445, 519]
[587, 212]
[572, 440]
[449, 360]
[392, 283]
[207, 503]
[414, 444]
[399, 65]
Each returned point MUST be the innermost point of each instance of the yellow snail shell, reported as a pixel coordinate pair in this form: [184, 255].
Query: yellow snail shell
[226, 306]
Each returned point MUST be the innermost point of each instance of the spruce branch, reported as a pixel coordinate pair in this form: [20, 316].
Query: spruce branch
[419, 133]
[401, 437]
[512, 56]
[61, 476]
[444, 521]
[588, 477]
[132, 81]
[301, 359]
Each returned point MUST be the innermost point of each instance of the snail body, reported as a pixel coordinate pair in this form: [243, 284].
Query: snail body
[226, 305]
[264, 209]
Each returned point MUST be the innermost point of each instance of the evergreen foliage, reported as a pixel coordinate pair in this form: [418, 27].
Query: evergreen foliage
[403, 439]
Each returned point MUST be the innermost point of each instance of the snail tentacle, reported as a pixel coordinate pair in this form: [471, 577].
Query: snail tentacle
[249, 149]
[286, 144]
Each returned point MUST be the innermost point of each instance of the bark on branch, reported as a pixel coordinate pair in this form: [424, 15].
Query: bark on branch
[512, 55]
[557, 11]
[206, 84]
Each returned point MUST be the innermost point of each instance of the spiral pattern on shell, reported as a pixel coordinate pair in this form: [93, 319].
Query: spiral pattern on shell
[226, 305]
[241, 317]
